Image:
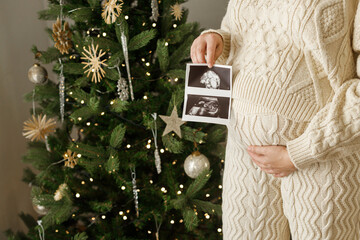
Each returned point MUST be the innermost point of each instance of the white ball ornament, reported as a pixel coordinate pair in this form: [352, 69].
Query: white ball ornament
[196, 163]
[37, 74]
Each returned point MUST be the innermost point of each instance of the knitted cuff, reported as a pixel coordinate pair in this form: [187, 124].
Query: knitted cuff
[226, 37]
[299, 150]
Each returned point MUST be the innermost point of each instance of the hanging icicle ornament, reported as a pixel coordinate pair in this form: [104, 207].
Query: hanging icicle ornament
[135, 191]
[62, 91]
[156, 153]
[94, 63]
[126, 56]
[154, 10]
[41, 230]
[176, 11]
[111, 10]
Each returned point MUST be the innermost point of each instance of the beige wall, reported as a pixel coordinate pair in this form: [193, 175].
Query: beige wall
[19, 30]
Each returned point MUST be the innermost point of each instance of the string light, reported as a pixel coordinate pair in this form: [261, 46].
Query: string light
[93, 218]
[88, 123]
[154, 24]
[79, 118]
[103, 216]
[121, 213]
[77, 195]
[123, 188]
[128, 146]
[56, 230]
[126, 17]
[82, 182]
[73, 215]
[148, 74]
[174, 25]
[104, 34]
[148, 146]
[220, 187]
[124, 217]
[147, 64]
[207, 195]
[91, 179]
[149, 141]
[166, 44]
[145, 97]
[207, 216]
[181, 221]
[222, 161]
[181, 186]
[143, 23]
[174, 162]
[112, 102]
[81, 130]
[172, 221]
[176, 79]
[179, 192]
[102, 114]
[151, 181]
[162, 150]
[149, 232]
[219, 230]
[143, 59]
[78, 155]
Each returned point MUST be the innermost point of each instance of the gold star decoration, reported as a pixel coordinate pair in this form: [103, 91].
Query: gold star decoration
[173, 123]
[62, 36]
[111, 10]
[38, 128]
[176, 11]
[94, 63]
[70, 159]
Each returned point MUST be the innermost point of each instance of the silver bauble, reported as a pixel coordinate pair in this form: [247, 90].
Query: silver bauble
[41, 210]
[195, 163]
[37, 74]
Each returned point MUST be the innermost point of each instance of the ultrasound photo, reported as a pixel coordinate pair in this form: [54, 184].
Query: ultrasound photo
[207, 93]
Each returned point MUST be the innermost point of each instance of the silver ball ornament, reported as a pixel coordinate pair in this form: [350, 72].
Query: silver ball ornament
[41, 210]
[196, 163]
[37, 74]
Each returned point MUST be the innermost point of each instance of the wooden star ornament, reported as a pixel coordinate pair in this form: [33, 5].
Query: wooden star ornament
[173, 123]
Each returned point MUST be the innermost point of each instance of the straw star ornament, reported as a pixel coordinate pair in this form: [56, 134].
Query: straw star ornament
[94, 63]
[111, 10]
[173, 123]
[176, 11]
[38, 127]
[62, 36]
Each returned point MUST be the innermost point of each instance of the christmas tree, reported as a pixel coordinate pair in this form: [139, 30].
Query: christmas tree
[106, 144]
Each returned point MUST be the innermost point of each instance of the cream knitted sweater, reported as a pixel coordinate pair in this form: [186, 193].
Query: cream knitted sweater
[298, 58]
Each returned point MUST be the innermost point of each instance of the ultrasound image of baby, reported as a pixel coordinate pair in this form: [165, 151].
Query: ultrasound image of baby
[211, 80]
[205, 106]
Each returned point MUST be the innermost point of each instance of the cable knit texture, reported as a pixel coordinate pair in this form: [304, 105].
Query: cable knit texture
[297, 60]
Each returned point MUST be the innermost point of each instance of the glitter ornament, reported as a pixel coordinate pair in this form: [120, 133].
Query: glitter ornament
[173, 123]
[111, 10]
[176, 11]
[38, 128]
[195, 164]
[154, 10]
[123, 89]
[37, 74]
[70, 159]
[62, 36]
[41, 210]
[94, 63]
[59, 194]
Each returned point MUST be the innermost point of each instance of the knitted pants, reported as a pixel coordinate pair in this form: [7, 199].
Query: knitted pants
[319, 202]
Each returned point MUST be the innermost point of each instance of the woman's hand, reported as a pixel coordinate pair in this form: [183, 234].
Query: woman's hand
[209, 44]
[272, 159]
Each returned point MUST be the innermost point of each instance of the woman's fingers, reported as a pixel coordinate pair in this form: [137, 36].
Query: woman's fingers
[209, 44]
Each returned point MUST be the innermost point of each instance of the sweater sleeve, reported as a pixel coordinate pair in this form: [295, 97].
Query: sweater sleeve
[335, 130]
[224, 32]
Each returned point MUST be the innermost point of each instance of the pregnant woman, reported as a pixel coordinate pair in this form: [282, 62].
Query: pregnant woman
[292, 162]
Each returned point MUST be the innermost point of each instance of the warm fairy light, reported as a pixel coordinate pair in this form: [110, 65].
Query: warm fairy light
[121, 213]
[181, 221]
[222, 161]
[181, 186]
[123, 65]
[166, 149]
[219, 230]
[96, 124]
[149, 232]
[87, 32]
[91, 179]
[100, 165]
[104, 34]
[138, 190]
[179, 192]
[123, 188]
[154, 24]
[88, 123]
[67, 232]
[77, 195]
[207, 195]
[128, 146]
[149, 141]
[70, 93]
[174, 162]
[163, 189]
[207, 216]
[126, 17]
[220, 187]
[147, 64]
[56, 230]
[162, 150]
[151, 181]
[93, 218]
[173, 134]
[172, 221]
[124, 217]
[176, 79]
[166, 44]
[73, 215]
[82, 101]
[148, 146]
[174, 25]
[102, 114]
[148, 74]
[79, 118]
[103, 216]
[82, 182]
[67, 99]
[81, 130]
[143, 23]
[201, 142]
[127, 211]
[145, 97]
[112, 102]
[143, 59]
